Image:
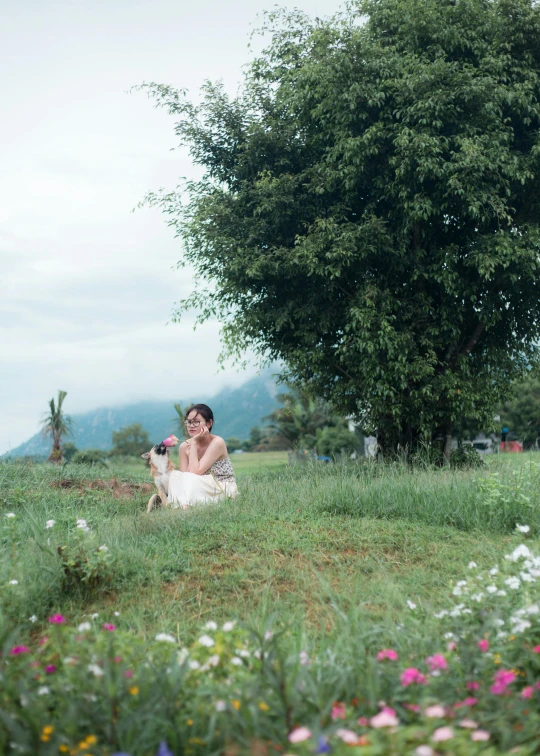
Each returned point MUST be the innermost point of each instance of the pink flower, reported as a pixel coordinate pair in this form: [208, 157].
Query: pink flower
[387, 653]
[384, 719]
[536, 649]
[57, 619]
[469, 723]
[18, 650]
[170, 441]
[442, 733]
[451, 646]
[435, 711]
[362, 721]
[347, 736]
[437, 661]
[479, 735]
[43, 641]
[412, 707]
[128, 673]
[117, 659]
[50, 668]
[527, 692]
[108, 626]
[483, 645]
[299, 735]
[410, 676]
[504, 676]
[472, 685]
[34, 664]
[338, 711]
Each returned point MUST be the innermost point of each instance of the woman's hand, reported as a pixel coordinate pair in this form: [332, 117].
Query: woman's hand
[203, 432]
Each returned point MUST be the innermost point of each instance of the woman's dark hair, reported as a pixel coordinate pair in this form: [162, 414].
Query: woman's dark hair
[202, 409]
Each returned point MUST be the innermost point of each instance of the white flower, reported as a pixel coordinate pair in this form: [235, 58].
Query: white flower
[491, 589]
[498, 622]
[95, 615]
[520, 552]
[477, 597]
[103, 548]
[236, 661]
[84, 626]
[211, 625]
[70, 660]
[424, 750]
[494, 571]
[50, 524]
[304, 658]
[268, 635]
[243, 652]
[472, 565]
[461, 583]
[214, 660]
[116, 614]
[165, 638]
[14, 582]
[513, 582]
[228, 626]
[221, 706]
[193, 664]
[448, 636]
[501, 593]
[441, 614]
[83, 525]
[534, 609]
[526, 577]
[523, 528]
[96, 670]
[206, 640]
[411, 604]
[43, 690]
[9, 515]
[32, 619]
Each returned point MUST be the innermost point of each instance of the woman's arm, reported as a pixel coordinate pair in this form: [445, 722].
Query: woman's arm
[216, 450]
[183, 456]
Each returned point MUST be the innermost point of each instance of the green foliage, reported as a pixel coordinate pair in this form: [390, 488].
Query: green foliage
[301, 419]
[369, 208]
[521, 414]
[85, 564]
[90, 457]
[131, 441]
[465, 458]
[56, 424]
[69, 450]
[233, 443]
[337, 440]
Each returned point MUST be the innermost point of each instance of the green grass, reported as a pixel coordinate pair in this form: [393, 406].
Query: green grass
[305, 543]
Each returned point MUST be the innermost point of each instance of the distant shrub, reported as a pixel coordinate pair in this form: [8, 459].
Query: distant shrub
[465, 458]
[90, 457]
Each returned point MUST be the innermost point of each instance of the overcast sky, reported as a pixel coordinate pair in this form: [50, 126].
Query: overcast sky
[88, 286]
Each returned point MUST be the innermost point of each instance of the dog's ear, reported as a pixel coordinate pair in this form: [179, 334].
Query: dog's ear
[146, 455]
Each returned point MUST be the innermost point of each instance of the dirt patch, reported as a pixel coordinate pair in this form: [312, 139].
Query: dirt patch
[115, 487]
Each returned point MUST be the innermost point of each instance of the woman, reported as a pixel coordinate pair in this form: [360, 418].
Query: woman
[206, 473]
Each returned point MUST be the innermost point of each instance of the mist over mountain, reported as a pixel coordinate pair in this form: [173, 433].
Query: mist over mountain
[236, 411]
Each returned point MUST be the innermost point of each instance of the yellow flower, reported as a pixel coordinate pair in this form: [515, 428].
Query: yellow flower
[134, 690]
[263, 706]
[83, 745]
[91, 739]
[512, 637]
[236, 704]
[197, 741]
[189, 722]
[48, 730]
[63, 748]
[496, 658]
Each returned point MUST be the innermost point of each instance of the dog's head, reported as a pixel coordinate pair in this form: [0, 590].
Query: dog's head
[156, 453]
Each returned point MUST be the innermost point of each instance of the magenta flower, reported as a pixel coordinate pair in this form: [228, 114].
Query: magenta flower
[472, 685]
[128, 673]
[483, 645]
[387, 653]
[50, 668]
[363, 721]
[437, 661]
[536, 649]
[117, 659]
[338, 711]
[412, 707]
[527, 692]
[108, 626]
[57, 619]
[18, 650]
[43, 641]
[502, 678]
[410, 676]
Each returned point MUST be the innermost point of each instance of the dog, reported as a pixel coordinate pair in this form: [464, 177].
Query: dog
[161, 467]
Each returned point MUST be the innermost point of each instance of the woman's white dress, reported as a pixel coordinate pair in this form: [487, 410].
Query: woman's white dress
[186, 488]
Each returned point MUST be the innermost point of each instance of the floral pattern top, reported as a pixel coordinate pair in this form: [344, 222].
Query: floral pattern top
[222, 470]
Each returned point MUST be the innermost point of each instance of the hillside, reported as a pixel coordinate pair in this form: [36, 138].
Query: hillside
[236, 410]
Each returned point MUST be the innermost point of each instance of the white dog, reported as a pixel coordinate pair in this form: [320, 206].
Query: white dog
[161, 467]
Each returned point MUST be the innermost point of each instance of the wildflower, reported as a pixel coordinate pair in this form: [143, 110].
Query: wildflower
[264, 706]
[522, 528]
[323, 746]
[134, 690]
[503, 678]
[338, 711]
[521, 552]
[116, 614]
[268, 635]
[437, 661]
[95, 615]
[18, 650]
[491, 589]
[470, 701]
[50, 524]
[347, 736]
[211, 625]
[165, 638]
[299, 735]
[32, 619]
[451, 646]
[472, 565]
[127, 673]
[468, 723]
[439, 615]
[303, 658]
[103, 548]
[84, 626]
[536, 649]
[480, 735]
[228, 626]
[435, 712]
[9, 515]
[57, 619]
[384, 719]
[513, 582]
[472, 685]
[442, 733]
[411, 604]
[527, 692]
[483, 645]
[50, 669]
[194, 664]
[96, 670]
[83, 525]
[43, 690]
[412, 707]
[206, 640]
[214, 660]
[46, 733]
[424, 750]
[236, 704]
[387, 653]
[411, 675]
[108, 626]
[14, 582]
[494, 571]
[236, 661]
[221, 706]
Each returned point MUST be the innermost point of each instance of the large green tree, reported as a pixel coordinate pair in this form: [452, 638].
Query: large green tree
[56, 424]
[369, 208]
[131, 441]
[521, 414]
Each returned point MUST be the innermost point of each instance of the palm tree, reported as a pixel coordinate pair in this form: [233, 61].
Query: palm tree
[56, 424]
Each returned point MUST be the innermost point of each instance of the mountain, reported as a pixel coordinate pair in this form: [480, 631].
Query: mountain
[236, 411]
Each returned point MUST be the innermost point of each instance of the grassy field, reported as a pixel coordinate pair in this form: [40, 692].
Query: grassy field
[303, 543]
